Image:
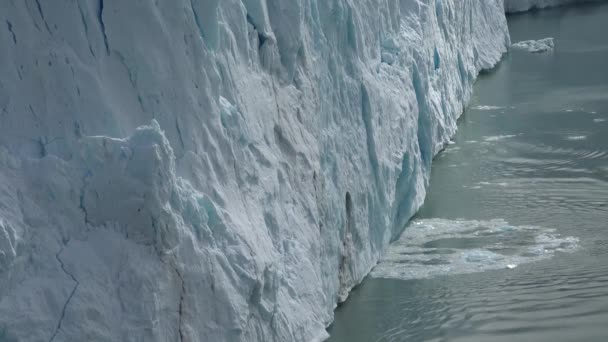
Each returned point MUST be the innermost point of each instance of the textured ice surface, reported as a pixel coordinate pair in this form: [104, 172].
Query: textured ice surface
[512, 6]
[205, 170]
[535, 46]
[439, 247]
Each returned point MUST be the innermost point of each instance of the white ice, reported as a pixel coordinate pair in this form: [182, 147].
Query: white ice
[485, 107]
[494, 138]
[535, 46]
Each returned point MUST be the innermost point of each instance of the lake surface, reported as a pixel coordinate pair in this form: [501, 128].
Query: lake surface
[512, 242]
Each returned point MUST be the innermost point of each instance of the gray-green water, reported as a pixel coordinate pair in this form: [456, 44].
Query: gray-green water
[512, 242]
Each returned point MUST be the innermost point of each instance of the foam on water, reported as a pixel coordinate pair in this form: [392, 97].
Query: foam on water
[439, 247]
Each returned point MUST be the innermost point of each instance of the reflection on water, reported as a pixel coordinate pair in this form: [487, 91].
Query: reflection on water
[512, 242]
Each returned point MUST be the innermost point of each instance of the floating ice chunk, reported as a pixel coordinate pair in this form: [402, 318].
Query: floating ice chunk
[487, 107]
[551, 242]
[599, 120]
[511, 266]
[499, 137]
[506, 228]
[535, 46]
[576, 137]
[534, 251]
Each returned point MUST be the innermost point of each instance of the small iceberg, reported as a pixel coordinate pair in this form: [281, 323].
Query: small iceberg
[535, 46]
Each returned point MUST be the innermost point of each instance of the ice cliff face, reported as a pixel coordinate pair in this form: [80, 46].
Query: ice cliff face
[513, 6]
[205, 170]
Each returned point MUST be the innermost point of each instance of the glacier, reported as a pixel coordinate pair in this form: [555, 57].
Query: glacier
[206, 170]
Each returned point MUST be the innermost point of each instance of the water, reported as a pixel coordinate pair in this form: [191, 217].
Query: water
[512, 242]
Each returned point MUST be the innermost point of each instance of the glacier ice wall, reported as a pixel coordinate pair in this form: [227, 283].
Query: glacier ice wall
[514, 6]
[205, 170]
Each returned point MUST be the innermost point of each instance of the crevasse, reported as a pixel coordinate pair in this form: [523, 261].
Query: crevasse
[204, 170]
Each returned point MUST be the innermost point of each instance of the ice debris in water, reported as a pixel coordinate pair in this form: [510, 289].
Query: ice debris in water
[498, 137]
[535, 46]
[576, 137]
[439, 247]
[482, 107]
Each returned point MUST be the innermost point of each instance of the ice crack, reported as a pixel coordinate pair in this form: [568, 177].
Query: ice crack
[86, 27]
[197, 20]
[103, 26]
[180, 136]
[181, 303]
[82, 193]
[180, 307]
[65, 306]
[10, 29]
[42, 16]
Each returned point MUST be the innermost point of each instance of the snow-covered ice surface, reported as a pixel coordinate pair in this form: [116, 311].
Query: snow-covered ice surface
[205, 170]
[440, 247]
[535, 46]
[514, 6]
